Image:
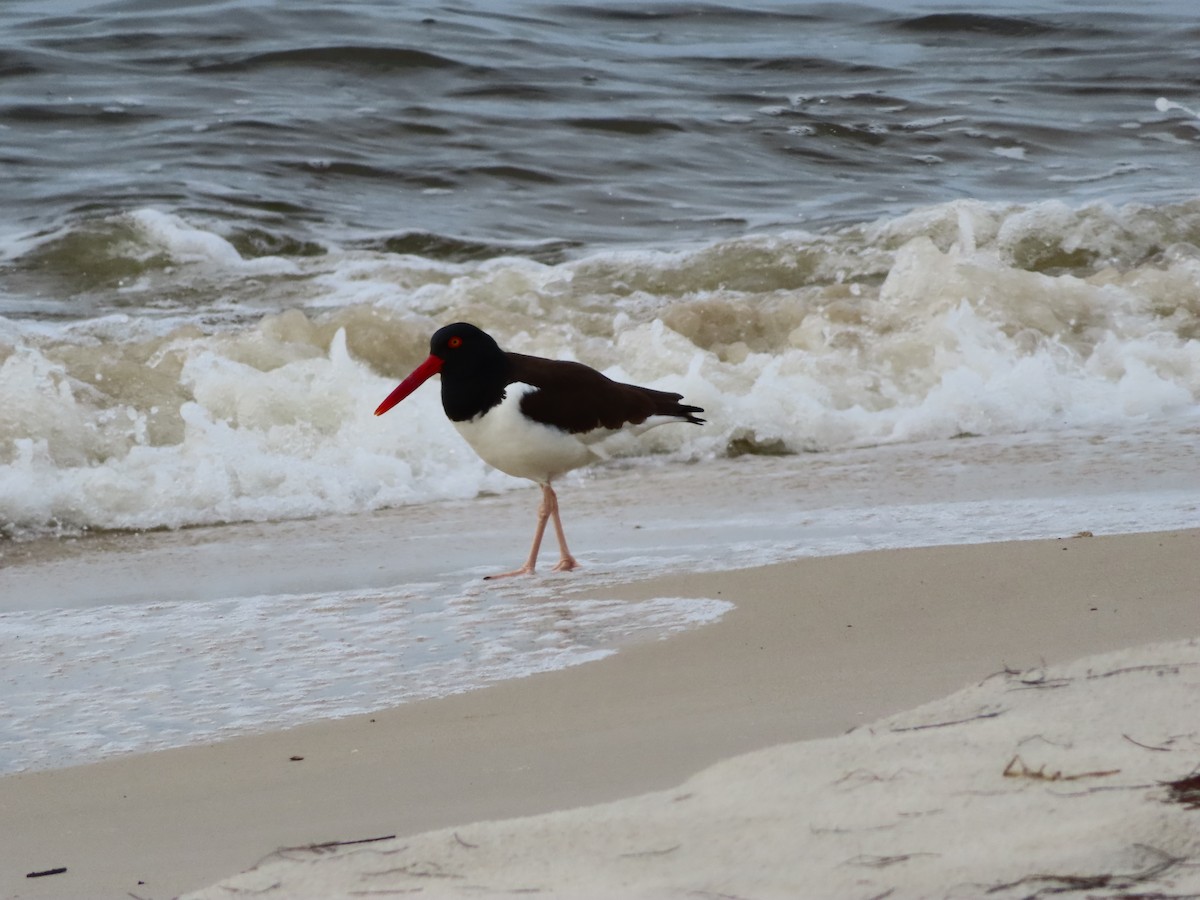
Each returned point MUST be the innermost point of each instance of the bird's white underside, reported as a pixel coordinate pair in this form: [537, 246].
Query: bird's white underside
[504, 438]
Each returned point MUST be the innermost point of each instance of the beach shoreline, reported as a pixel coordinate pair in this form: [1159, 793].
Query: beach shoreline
[937, 306]
[813, 648]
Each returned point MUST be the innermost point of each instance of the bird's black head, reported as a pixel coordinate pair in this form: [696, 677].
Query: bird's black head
[458, 344]
[474, 369]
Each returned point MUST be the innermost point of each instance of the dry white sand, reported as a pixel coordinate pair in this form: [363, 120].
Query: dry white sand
[813, 648]
[1076, 779]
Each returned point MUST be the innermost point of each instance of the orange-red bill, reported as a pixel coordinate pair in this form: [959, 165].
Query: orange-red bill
[420, 375]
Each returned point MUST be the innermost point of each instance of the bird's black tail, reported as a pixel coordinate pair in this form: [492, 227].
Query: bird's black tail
[667, 404]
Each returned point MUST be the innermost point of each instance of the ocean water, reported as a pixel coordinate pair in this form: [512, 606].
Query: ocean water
[964, 243]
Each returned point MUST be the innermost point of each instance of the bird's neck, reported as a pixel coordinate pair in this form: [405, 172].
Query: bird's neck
[471, 392]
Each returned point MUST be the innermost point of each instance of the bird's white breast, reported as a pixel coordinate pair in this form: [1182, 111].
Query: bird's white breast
[506, 439]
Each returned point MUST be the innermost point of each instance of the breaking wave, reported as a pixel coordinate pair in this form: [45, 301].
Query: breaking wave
[243, 388]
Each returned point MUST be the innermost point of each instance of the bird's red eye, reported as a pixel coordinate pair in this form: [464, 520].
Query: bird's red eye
[454, 342]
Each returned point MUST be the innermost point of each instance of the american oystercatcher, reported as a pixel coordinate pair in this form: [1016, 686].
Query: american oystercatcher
[531, 417]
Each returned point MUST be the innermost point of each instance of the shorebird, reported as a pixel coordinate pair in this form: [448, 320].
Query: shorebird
[534, 418]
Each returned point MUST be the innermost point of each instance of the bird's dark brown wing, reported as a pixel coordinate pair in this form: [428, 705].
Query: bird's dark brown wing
[579, 399]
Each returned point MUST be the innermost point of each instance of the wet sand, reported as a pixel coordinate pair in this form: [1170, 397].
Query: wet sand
[814, 647]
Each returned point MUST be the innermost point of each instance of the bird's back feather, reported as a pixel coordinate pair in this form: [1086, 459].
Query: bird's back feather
[607, 404]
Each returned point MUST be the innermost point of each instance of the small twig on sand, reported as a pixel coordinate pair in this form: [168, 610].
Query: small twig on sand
[1006, 672]
[662, 852]
[1160, 668]
[329, 845]
[882, 862]
[416, 869]
[1186, 791]
[1017, 768]
[1145, 746]
[987, 715]
[866, 776]
[45, 872]
[1057, 884]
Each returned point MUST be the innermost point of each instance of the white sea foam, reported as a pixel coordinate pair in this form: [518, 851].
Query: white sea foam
[184, 244]
[83, 684]
[1162, 104]
[963, 318]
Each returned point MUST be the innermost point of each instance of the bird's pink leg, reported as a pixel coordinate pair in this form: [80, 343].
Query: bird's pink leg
[566, 561]
[544, 509]
[547, 509]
